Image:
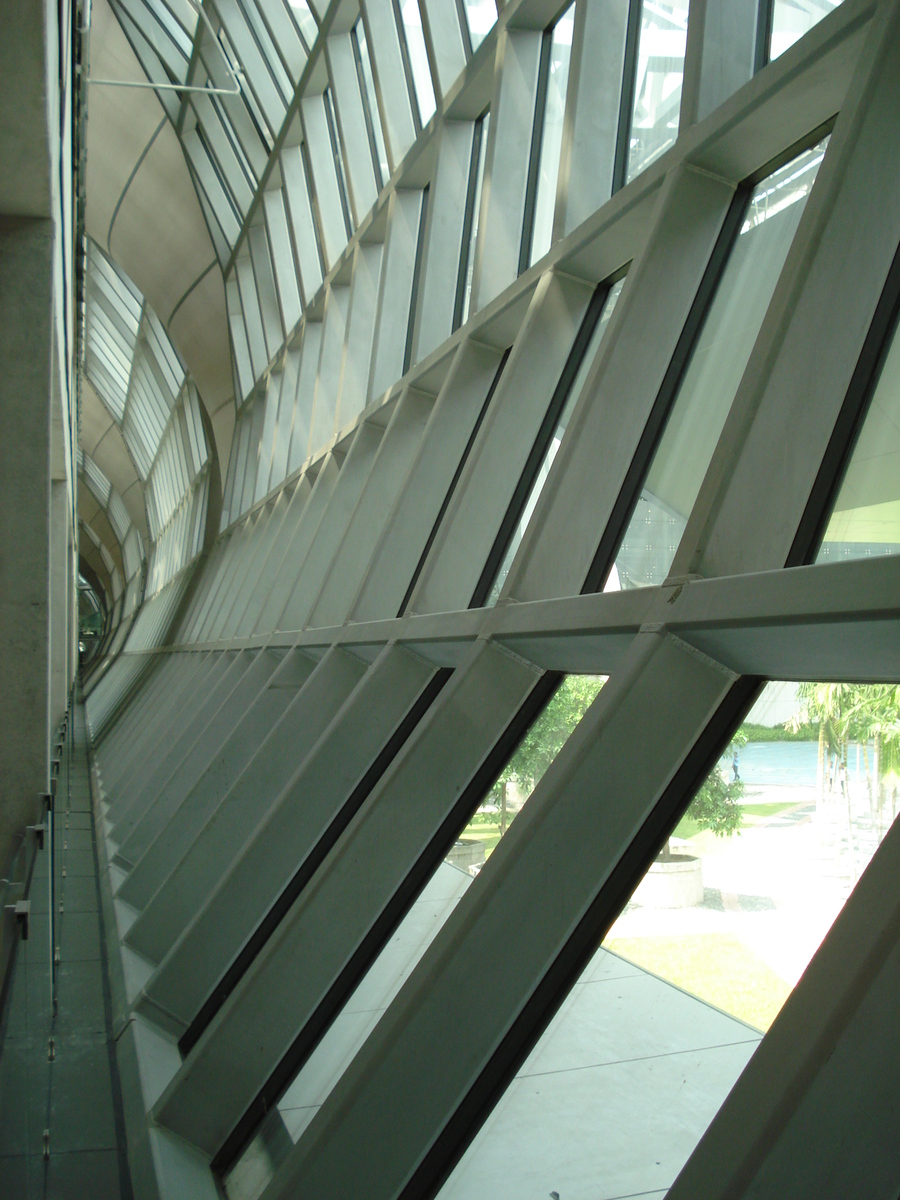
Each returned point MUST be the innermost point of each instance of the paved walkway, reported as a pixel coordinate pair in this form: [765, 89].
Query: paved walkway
[65, 1104]
[778, 886]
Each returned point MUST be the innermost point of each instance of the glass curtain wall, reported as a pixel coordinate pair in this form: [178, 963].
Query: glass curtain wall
[659, 72]
[418, 59]
[714, 373]
[551, 133]
[285, 1123]
[470, 226]
[481, 16]
[621, 1086]
[866, 517]
[370, 96]
[792, 18]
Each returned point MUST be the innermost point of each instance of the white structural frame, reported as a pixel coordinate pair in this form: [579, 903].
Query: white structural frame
[350, 702]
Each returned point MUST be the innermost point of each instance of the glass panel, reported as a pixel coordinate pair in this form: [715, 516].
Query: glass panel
[306, 22]
[628, 1075]
[337, 152]
[524, 771]
[284, 34]
[482, 17]
[469, 249]
[181, 26]
[418, 58]
[365, 69]
[285, 1123]
[551, 134]
[96, 480]
[657, 86]
[118, 515]
[711, 380]
[269, 50]
[538, 485]
[283, 1126]
[792, 18]
[866, 516]
[775, 841]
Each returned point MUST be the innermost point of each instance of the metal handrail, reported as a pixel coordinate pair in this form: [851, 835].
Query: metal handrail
[167, 87]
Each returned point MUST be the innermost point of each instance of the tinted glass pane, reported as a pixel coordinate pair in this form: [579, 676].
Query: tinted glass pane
[625, 1080]
[306, 22]
[551, 135]
[792, 18]
[482, 17]
[657, 86]
[538, 485]
[524, 771]
[866, 516]
[284, 1125]
[418, 59]
[476, 210]
[372, 101]
[715, 370]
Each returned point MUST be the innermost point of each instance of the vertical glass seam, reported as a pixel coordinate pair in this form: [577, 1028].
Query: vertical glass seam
[534, 158]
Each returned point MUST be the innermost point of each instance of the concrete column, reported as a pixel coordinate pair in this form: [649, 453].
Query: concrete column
[59, 599]
[72, 609]
[26, 254]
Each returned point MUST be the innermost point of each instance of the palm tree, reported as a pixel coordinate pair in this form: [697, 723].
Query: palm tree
[835, 708]
[876, 717]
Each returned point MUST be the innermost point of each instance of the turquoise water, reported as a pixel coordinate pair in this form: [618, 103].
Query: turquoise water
[785, 764]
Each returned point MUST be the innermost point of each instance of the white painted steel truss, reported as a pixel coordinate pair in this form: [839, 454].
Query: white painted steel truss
[303, 722]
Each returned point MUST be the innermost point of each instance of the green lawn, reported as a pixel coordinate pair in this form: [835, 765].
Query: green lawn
[717, 967]
[489, 834]
[687, 828]
[766, 810]
[704, 841]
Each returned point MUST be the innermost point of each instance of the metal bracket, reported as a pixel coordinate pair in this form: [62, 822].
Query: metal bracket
[21, 910]
[39, 831]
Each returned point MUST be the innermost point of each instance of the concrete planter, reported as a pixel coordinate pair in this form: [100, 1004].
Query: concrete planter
[676, 883]
[466, 853]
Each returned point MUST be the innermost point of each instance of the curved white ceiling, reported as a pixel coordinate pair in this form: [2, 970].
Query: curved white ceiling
[143, 210]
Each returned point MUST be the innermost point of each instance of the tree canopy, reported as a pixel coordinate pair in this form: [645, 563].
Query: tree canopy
[715, 807]
[840, 711]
